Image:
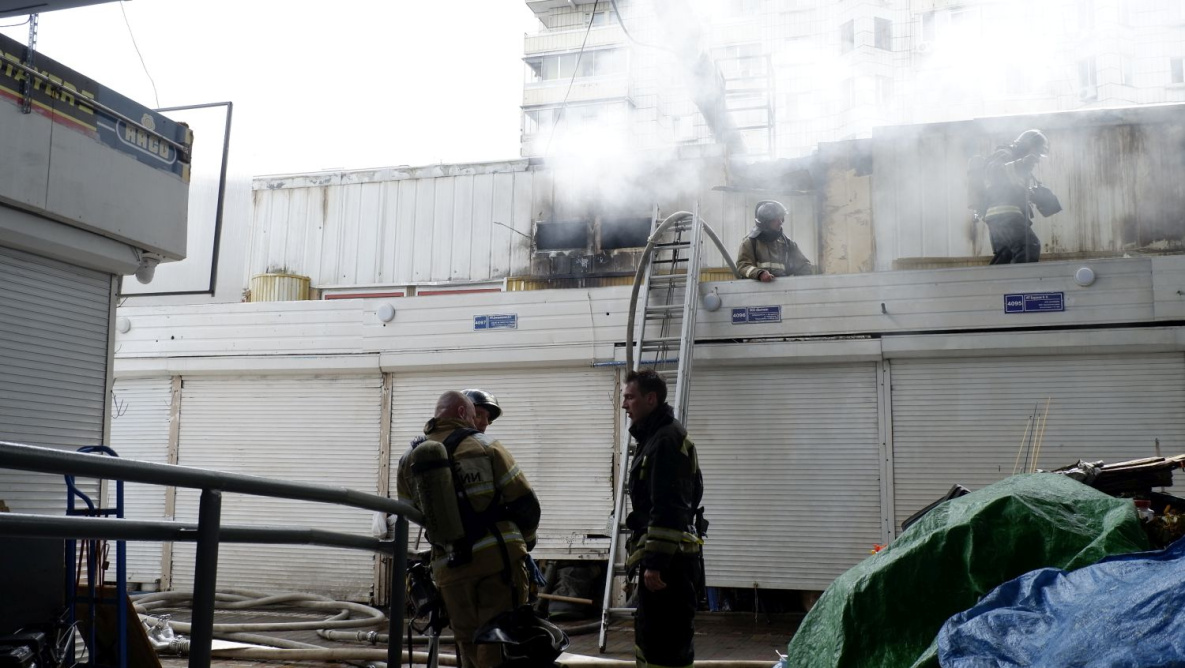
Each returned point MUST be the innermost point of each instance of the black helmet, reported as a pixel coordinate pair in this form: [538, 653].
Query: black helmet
[1032, 141]
[527, 641]
[486, 401]
[768, 211]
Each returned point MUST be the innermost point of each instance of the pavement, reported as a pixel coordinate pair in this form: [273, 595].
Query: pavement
[734, 636]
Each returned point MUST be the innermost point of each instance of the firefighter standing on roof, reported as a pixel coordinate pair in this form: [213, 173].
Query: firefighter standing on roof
[666, 525]
[766, 252]
[484, 573]
[1009, 194]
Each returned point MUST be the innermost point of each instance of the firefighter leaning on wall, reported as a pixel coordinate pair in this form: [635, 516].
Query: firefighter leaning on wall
[765, 252]
[480, 515]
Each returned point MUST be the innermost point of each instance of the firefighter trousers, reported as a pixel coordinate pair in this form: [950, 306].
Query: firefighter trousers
[665, 622]
[474, 601]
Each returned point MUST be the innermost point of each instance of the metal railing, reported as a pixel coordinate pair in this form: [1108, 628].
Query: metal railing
[208, 532]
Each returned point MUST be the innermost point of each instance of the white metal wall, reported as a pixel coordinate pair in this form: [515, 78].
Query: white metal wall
[791, 464]
[322, 430]
[558, 425]
[140, 430]
[53, 368]
[963, 420]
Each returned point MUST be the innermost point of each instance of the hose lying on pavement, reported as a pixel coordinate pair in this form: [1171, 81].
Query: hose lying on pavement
[348, 616]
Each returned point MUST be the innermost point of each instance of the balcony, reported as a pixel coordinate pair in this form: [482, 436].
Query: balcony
[613, 87]
[570, 40]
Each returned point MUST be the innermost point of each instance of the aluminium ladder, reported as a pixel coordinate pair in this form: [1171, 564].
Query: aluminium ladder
[666, 284]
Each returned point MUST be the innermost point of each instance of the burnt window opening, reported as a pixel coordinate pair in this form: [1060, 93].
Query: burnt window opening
[565, 235]
[624, 232]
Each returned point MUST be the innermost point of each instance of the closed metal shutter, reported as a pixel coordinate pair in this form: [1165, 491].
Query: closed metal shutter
[962, 421]
[323, 430]
[558, 425]
[791, 464]
[53, 368]
[140, 430]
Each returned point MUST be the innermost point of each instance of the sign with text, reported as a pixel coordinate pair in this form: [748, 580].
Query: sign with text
[750, 315]
[1035, 302]
[482, 323]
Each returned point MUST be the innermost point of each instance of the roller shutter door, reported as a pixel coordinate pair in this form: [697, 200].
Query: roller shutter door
[53, 368]
[322, 430]
[791, 462]
[962, 421]
[558, 425]
[140, 430]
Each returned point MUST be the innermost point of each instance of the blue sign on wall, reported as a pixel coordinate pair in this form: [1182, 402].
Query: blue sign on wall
[756, 314]
[1035, 302]
[496, 321]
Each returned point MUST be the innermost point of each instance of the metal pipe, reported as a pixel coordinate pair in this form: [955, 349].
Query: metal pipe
[566, 599]
[397, 594]
[205, 578]
[72, 528]
[48, 460]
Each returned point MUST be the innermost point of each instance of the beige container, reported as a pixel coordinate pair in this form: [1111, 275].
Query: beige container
[279, 288]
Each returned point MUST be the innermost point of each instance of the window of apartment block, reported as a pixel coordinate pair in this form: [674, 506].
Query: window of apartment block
[740, 60]
[592, 63]
[1085, 15]
[847, 37]
[929, 26]
[884, 92]
[1088, 78]
[1016, 80]
[847, 94]
[601, 19]
[1127, 71]
[744, 7]
[1177, 70]
[883, 34]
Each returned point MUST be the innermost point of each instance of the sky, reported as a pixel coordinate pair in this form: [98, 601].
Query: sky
[371, 83]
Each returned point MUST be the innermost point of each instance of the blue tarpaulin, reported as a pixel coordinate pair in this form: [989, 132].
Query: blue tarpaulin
[1125, 610]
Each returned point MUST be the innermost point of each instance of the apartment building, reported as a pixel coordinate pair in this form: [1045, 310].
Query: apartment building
[795, 73]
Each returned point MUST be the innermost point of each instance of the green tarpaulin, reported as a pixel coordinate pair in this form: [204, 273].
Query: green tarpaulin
[886, 611]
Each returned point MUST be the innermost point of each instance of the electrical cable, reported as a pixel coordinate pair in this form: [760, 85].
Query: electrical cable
[15, 25]
[575, 70]
[132, 34]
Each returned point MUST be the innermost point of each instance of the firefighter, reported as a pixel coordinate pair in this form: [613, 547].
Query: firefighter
[666, 525]
[1010, 193]
[484, 573]
[765, 252]
[487, 408]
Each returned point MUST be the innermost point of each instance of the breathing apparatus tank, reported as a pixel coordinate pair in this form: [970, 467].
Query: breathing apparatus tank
[432, 476]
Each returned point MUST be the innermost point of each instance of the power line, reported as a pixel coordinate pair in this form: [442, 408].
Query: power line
[137, 46]
[575, 70]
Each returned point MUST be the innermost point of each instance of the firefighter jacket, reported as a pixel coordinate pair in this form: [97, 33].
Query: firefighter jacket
[489, 475]
[665, 487]
[778, 255]
[1008, 182]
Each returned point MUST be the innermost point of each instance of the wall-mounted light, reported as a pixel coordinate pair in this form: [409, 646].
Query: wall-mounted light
[386, 313]
[712, 301]
[123, 325]
[1084, 276]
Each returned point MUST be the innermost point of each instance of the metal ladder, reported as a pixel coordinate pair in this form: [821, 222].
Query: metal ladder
[666, 284]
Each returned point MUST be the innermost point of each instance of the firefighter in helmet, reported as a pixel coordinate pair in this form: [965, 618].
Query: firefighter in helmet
[1010, 193]
[765, 252]
[480, 514]
[486, 408]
